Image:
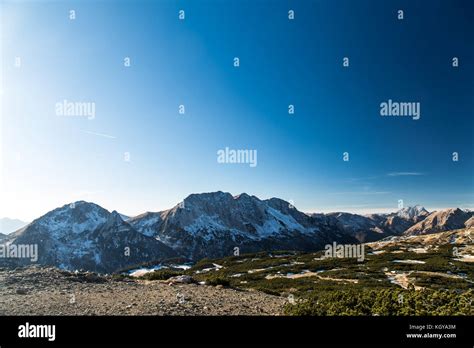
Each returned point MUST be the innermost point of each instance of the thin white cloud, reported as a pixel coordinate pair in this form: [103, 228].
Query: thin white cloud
[360, 179]
[361, 193]
[101, 134]
[405, 174]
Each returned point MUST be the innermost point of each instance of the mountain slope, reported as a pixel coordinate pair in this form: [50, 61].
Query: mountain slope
[440, 221]
[399, 222]
[86, 236]
[470, 222]
[463, 236]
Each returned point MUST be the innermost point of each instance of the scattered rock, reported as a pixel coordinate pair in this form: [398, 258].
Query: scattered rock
[52, 292]
[21, 291]
[182, 279]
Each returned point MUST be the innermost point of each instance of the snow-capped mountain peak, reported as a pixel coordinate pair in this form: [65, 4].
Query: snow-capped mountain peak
[410, 213]
[87, 236]
[76, 217]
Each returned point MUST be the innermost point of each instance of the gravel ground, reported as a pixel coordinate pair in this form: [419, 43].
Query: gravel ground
[49, 291]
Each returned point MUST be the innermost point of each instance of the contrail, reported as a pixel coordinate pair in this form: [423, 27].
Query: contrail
[101, 135]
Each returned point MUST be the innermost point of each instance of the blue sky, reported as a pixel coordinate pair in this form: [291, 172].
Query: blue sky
[49, 160]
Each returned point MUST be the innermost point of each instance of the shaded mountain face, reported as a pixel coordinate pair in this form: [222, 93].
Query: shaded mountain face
[363, 228]
[215, 224]
[440, 221]
[86, 236]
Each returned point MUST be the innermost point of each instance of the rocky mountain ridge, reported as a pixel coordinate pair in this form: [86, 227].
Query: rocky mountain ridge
[86, 236]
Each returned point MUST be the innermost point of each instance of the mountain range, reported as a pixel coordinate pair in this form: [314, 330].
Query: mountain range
[86, 236]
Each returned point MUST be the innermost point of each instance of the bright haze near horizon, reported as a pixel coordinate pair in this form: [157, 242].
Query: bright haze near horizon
[49, 160]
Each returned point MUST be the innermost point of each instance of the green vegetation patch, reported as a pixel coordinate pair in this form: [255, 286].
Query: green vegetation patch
[384, 302]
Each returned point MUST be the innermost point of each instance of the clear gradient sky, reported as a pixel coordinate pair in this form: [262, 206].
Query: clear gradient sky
[49, 160]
